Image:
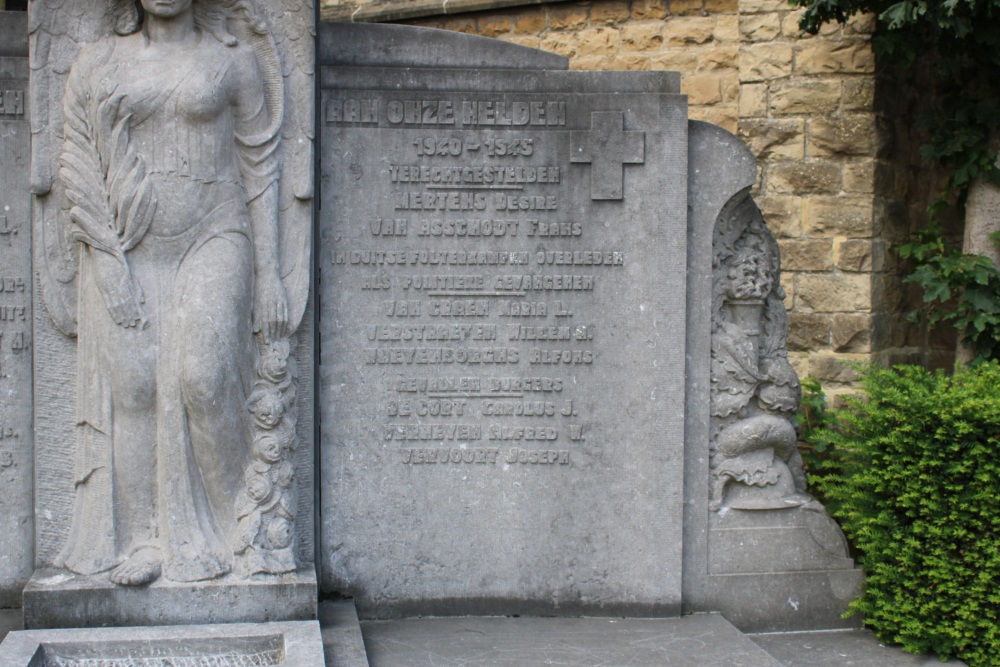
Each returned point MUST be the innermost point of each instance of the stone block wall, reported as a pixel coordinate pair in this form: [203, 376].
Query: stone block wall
[805, 105]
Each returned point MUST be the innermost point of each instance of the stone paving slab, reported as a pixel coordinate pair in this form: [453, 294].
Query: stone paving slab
[704, 640]
[295, 644]
[846, 648]
[342, 642]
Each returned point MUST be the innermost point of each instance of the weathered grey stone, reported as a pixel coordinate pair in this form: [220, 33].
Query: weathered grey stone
[59, 599]
[295, 644]
[16, 524]
[850, 648]
[173, 245]
[705, 640]
[501, 253]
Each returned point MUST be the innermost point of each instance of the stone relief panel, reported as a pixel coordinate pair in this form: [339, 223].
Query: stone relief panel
[172, 174]
[755, 463]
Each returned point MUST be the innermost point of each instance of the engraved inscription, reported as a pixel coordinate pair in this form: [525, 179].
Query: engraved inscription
[455, 211]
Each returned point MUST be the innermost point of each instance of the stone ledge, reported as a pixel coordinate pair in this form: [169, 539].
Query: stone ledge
[399, 10]
[297, 643]
[60, 599]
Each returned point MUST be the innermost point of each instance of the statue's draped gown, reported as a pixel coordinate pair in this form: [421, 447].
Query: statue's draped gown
[162, 421]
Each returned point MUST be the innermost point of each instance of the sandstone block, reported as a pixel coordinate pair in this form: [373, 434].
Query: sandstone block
[838, 216]
[805, 96]
[718, 6]
[599, 42]
[859, 94]
[800, 362]
[833, 292]
[719, 57]
[649, 9]
[633, 62]
[759, 6]
[686, 7]
[760, 27]
[567, 17]
[686, 30]
[585, 63]
[782, 214]
[730, 82]
[530, 22]
[753, 100]
[642, 35]
[675, 60]
[853, 254]
[608, 12]
[491, 26]
[861, 24]
[850, 56]
[788, 285]
[834, 369]
[724, 117]
[765, 62]
[806, 255]
[808, 331]
[853, 134]
[790, 25]
[853, 333]
[563, 43]
[770, 137]
[702, 89]
[859, 176]
[459, 24]
[524, 40]
[727, 28]
[803, 177]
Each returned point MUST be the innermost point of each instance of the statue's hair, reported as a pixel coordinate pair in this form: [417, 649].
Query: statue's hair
[212, 16]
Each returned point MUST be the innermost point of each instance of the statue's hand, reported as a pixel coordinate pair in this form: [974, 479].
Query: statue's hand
[270, 307]
[121, 293]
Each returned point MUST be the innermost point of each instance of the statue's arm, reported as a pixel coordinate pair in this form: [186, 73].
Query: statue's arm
[259, 170]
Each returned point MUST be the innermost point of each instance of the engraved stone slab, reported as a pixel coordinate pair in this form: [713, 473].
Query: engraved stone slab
[232, 645]
[502, 354]
[693, 641]
[16, 525]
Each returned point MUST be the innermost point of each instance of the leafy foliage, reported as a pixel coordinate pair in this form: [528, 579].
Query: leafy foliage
[963, 290]
[917, 490]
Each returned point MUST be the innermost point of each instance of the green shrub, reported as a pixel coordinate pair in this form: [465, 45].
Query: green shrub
[917, 490]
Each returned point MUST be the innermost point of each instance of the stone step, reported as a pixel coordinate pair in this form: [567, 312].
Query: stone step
[691, 641]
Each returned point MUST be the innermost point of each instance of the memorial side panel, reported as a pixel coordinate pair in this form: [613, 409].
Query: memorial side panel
[502, 349]
[16, 534]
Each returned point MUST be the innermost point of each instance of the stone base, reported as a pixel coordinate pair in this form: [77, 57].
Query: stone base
[705, 640]
[61, 599]
[295, 644]
[780, 570]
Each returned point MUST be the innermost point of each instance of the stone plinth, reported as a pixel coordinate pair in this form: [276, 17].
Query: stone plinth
[59, 599]
[294, 644]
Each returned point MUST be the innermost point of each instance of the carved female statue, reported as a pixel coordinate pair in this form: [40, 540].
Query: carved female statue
[169, 168]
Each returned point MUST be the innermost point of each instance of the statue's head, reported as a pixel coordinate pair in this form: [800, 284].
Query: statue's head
[209, 15]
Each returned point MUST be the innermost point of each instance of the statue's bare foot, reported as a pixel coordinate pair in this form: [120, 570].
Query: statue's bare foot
[141, 568]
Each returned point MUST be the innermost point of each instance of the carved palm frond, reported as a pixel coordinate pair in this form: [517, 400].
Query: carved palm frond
[113, 200]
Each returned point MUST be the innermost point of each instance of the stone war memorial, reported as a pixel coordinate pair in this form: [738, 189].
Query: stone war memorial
[347, 322]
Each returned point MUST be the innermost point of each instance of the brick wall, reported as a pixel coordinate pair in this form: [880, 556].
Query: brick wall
[806, 107]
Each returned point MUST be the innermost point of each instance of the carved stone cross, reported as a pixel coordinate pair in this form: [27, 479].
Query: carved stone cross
[608, 148]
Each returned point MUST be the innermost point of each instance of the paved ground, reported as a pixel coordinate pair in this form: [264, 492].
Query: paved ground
[845, 648]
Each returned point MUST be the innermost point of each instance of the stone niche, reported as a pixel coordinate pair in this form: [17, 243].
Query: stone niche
[553, 375]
